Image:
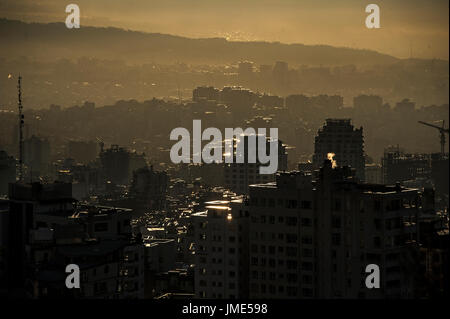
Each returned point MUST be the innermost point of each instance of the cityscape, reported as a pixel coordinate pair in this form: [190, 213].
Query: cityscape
[93, 205]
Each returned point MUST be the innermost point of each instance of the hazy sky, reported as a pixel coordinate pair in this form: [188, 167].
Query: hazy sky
[417, 27]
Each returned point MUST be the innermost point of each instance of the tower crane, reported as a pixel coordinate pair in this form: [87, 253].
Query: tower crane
[442, 131]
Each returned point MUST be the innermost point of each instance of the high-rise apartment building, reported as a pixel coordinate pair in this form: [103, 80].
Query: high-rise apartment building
[238, 176]
[343, 142]
[359, 224]
[221, 250]
[281, 233]
[313, 237]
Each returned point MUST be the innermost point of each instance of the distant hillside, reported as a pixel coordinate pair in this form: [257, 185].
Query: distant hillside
[54, 40]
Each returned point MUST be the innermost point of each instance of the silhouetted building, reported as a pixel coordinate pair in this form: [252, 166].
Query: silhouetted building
[221, 250]
[399, 166]
[374, 173]
[33, 209]
[82, 151]
[280, 74]
[313, 239]
[175, 284]
[119, 164]
[238, 97]
[149, 188]
[339, 137]
[405, 106]
[36, 156]
[245, 70]
[238, 176]
[7, 171]
[206, 93]
[367, 103]
[439, 173]
[116, 162]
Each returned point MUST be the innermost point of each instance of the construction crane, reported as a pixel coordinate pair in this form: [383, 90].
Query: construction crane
[442, 131]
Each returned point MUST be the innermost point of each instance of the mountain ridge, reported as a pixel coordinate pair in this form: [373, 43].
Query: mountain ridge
[53, 40]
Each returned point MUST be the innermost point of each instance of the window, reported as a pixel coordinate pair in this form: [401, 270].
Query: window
[336, 239]
[377, 205]
[263, 289]
[291, 221]
[307, 266]
[272, 263]
[291, 251]
[336, 222]
[306, 222]
[305, 204]
[291, 277]
[377, 223]
[307, 292]
[272, 289]
[377, 242]
[291, 203]
[291, 238]
[291, 264]
[307, 252]
[337, 204]
[307, 279]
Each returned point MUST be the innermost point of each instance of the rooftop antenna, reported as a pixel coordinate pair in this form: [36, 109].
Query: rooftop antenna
[178, 91]
[21, 122]
[410, 49]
